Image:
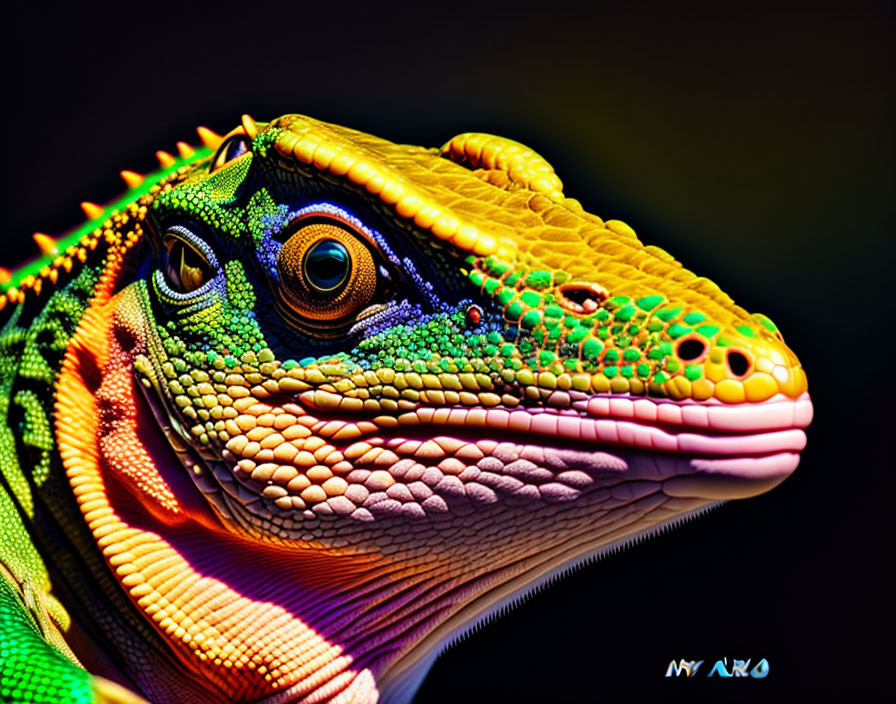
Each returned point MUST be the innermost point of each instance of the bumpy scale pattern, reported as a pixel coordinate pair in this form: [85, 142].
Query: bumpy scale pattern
[621, 346]
[541, 337]
[29, 670]
[516, 310]
[31, 351]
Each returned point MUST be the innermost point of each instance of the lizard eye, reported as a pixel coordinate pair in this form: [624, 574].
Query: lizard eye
[230, 150]
[326, 271]
[187, 267]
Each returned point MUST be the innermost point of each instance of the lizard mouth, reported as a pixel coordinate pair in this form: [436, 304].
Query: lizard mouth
[713, 430]
[686, 449]
[710, 450]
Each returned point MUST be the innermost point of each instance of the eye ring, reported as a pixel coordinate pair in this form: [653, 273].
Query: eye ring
[230, 150]
[188, 264]
[327, 273]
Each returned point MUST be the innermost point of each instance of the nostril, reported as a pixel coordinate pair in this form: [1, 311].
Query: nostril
[690, 350]
[738, 363]
[581, 298]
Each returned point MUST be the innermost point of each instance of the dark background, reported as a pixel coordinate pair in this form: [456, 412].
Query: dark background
[755, 142]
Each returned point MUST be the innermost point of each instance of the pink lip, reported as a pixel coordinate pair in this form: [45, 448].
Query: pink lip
[664, 426]
[778, 412]
[732, 478]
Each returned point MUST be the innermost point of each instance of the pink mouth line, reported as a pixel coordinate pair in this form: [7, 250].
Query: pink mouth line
[786, 418]
[777, 413]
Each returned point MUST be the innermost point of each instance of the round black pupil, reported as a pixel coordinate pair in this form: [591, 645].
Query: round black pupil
[326, 265]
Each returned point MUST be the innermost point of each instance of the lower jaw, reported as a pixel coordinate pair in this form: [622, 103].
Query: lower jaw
[712, 482]
[733, 478]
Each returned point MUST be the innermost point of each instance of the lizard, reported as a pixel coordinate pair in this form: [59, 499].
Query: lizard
[304, 406]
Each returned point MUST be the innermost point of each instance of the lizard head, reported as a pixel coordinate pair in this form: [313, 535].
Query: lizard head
[429, 364]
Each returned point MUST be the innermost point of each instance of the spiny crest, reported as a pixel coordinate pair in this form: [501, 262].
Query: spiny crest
[108, 226]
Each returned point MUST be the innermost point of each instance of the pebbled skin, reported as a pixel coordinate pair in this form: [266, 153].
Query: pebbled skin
[304, 406]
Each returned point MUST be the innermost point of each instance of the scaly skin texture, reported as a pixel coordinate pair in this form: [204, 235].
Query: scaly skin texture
[294, 413]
